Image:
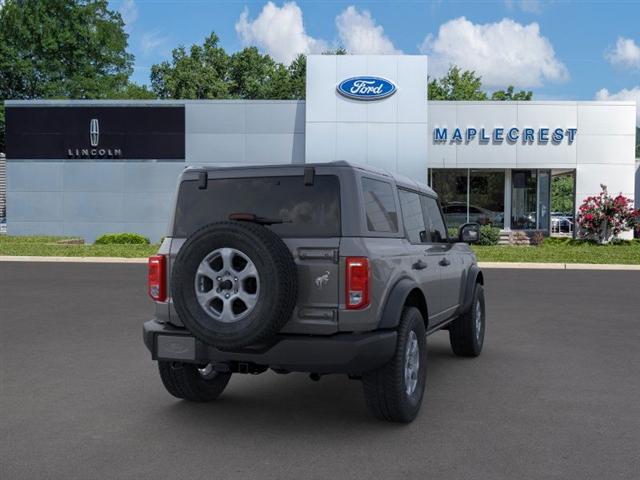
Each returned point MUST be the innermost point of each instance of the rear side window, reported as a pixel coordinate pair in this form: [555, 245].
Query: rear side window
[412, 216]
[433, 219]
[380, 206]
[306, 211]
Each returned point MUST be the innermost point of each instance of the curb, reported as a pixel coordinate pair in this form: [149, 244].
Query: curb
[487, 265]
[558, 266]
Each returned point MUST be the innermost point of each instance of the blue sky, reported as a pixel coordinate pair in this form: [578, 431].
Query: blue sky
[561, 50]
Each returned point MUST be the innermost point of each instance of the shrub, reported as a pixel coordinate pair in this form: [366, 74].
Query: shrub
[122, 239]
[518, 238]
[557, 241]
[489, 235]
[603, 217]
[537, 239]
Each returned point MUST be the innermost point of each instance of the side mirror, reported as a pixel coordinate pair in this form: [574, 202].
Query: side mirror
[469, 233]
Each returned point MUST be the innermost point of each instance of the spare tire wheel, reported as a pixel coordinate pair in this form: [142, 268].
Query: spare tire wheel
[234, 284]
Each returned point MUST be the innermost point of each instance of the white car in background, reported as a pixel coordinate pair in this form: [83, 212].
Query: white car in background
[561, 222]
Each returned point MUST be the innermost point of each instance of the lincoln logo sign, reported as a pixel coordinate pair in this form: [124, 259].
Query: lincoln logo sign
[366, 88]
[510, 135]
[94, 151]
[94, 132]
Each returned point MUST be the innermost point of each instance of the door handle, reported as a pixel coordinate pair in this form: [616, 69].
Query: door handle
[419, 265]
[444, 262]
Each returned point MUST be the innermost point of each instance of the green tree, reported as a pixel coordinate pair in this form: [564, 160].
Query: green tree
[2, 126]
[201, 73]
[298, 74]
[457, 85]
[562, 193]
[510, 95]
[208, 72]
[256, 76]
[337, 51]
[134, 91]
[61, 49]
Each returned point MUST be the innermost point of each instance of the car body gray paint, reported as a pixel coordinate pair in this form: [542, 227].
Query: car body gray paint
[391, 255]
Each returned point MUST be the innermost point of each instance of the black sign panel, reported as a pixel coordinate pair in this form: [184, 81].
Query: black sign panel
[127, 132]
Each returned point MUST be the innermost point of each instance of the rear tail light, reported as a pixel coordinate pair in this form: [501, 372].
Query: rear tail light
[157, 278]
[357, 282]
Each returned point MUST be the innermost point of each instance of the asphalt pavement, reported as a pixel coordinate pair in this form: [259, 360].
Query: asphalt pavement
[555, 394]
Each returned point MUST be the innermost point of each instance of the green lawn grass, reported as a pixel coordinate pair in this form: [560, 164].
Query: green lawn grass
[550, 252]
[46, 246]
[627, 253]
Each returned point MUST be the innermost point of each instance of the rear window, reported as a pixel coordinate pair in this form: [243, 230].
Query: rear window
[306, 211]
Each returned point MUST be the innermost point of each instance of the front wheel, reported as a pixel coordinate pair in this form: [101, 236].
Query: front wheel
[394, 392]
[192, 382]
[466, 333]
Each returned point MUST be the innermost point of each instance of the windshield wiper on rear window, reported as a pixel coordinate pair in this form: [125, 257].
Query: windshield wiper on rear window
[253, 218]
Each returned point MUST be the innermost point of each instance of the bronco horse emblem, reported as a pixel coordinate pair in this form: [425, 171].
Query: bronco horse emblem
[322, 280]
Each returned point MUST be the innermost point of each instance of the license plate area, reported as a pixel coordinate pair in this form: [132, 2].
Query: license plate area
[174, 347]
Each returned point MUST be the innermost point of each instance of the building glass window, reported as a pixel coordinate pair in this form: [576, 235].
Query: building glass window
[524, 190]
[486, 197]
[544, 199]
[451, 187]
[470, 195]
[412, 216]
[433, 219]
[380, 206]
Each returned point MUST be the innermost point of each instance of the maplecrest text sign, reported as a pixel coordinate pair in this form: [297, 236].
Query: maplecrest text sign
[500, 134]
[366, 88]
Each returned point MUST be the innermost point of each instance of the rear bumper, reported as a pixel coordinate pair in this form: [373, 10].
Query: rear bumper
[340, 353]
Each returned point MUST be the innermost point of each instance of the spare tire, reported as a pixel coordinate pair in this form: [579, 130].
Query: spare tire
[234, 284]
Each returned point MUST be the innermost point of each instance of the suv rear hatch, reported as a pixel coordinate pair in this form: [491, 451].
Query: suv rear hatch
[303, 209]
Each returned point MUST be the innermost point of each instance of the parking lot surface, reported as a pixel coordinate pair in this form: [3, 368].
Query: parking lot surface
[555, 394]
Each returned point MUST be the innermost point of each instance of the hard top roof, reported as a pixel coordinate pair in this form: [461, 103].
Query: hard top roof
[400, 180]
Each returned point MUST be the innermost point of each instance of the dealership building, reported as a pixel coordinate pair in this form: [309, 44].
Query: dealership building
[83, 168]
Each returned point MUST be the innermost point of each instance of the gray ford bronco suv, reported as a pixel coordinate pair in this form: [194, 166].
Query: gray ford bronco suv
[318, 268]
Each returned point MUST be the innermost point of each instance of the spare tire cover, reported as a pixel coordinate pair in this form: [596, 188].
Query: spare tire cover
[234, 284]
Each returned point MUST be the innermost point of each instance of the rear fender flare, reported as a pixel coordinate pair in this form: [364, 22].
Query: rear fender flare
[396, 301]
[474, 275]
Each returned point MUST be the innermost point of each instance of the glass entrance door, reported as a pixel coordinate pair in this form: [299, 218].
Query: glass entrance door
[530, 190]
[523, 199]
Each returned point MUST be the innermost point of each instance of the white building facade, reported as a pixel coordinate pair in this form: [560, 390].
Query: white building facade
[84, 168]
[491, 162]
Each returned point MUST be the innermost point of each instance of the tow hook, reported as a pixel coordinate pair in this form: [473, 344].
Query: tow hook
[315, 377]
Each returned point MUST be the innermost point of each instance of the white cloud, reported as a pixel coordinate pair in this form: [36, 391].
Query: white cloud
[632, 94]
[626, 53]
[360, 34]
[129, 12]
[151, 41]
[504, 53]
[528, 6]
[278, 31]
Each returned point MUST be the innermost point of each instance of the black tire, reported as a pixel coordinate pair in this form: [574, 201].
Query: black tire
[465, 334]
[277, 296]
[183, 380]
[385, 389]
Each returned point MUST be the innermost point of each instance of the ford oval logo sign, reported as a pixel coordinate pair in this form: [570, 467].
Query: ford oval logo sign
[366, 88]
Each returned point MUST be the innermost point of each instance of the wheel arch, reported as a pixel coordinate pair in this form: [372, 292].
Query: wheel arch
[474, 276]
[405, 293]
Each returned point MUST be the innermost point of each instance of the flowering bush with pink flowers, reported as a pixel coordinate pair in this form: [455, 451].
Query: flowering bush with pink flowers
[604, 217]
